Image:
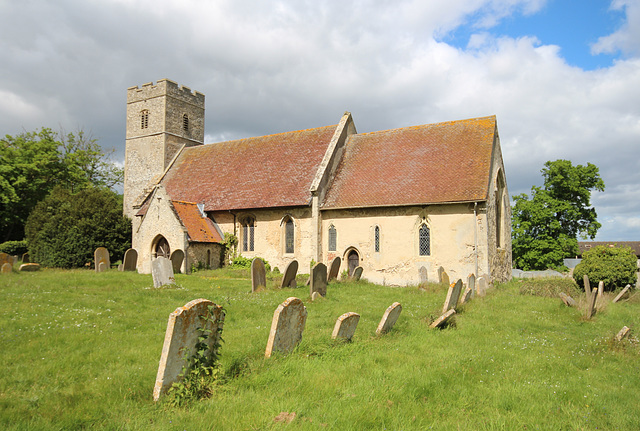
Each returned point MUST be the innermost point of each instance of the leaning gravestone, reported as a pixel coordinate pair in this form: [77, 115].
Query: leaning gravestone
[482, 286]
[591, 304]
[346, 326]
[622, 293]
[389, 318]
[568, 301]
[357, 273]
[471, 283]
[587, 287]
[7, 268]
[258, 274]
[440, 271]
[622, 333]
[289, 278]
[334, 268]
[466, 296]
[25, 258]
[318, 279]
[287, 326]
[130, 260]
[442, 319]
[423, 274]
[162, 272]
[186, 325]
[29, 267]
[177, 257]
[445, 278]
[453, 294]
[600, 288]
[101, 255]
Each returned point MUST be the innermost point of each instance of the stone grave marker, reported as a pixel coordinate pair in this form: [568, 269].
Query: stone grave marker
[334, 269]
[258, 274]
[130, 260]
[315, 296]
[587, 286]
[4, 258]
[568, 301]
[445, 278]
[453, 294]
[622, 293]
[14, 260]
[287, 326]
[162, 272]
[102, 266]
[318, 279]
[346, 326]
[481, 286]
[289, 278]
[29, 267]
[471, 283]
[183, 330]
[357, 273]
[423, 274]
[7, 268]
[591, 303]
[25, 258]
[442, 319]
[600, 288]
[440, 271]
[466, 296]
[177, 257]
[389, 318]
[622, 333]
[101, 255]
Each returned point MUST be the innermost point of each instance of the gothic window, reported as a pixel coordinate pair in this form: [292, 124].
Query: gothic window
[185, 122]
[333, 238]
[144, 119]
[288, 235]
[376, 239]
[248, 228]
[424, 238]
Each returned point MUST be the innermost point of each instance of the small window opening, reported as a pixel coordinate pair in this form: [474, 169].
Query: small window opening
[376, 239]
[425, 241]
[288, 236]
[248, 228]
[144, 119]
[333, 238]
[185, 122]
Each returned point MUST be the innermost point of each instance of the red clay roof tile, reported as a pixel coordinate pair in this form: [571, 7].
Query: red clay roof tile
[199, 228]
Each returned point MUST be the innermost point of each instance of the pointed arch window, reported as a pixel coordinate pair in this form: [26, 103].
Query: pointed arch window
[288, 235]
[144, 119]
[248, 234]
[376, 239]
[333, 238]
[424, 238]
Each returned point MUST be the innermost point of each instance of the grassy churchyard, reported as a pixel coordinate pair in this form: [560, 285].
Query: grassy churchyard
[80, 350]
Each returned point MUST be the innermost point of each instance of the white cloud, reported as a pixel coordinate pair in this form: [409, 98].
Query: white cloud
[625, 39]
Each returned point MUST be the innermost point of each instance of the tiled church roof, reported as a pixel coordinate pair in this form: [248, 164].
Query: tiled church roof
[261, 172]
[199, 228]
[434, 163]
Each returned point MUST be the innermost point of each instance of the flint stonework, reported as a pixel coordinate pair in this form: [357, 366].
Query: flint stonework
[287, 326]
[389, 318]
[289, 278]
[101, 255]
[183, 330]
[346, 326]
[334, 269]
[453, 294]
[177, 257]
[357, 273]
[318, 279]
[162, 272]
[442, 319]
[130, 260]
[258, 274]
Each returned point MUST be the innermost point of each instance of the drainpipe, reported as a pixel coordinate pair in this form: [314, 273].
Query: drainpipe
[475, 235]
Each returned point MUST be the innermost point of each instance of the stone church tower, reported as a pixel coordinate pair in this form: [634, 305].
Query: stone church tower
[161, 120]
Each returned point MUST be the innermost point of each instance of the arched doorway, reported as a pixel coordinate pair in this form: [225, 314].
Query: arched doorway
[353, 260]
[161, 248]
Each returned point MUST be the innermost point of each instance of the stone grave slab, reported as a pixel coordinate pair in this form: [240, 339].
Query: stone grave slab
[162, 272]
[101, 254]
[287, 326]
[318, 279]
[466, 296]
[130, 260]
[29, 267]
[183, 329]
[357, 273]
[445, 278]
[453, 295]
[289, 277]
[600, 288]
[591, 303]
[7, 268]
[471, 282]
[442, 319]
[423, 274]
[334, 269]
[481, 287]
[177, 257]
[346, 326]
[622, 293]
[568, 301]
[440, 271]
[258, 274]
[389, 318]
[622, 333]
[587, 286]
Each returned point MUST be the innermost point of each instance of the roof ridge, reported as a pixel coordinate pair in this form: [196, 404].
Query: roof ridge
[269, 135]
[427, 124]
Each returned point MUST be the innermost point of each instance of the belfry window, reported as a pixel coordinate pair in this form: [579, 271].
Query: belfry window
[333, 238]
[424, 238]
[248, 228]
[185, 122]
[376, 239]
[144, 119]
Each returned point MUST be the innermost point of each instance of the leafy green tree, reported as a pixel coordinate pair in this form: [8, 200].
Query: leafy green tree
[65, 228]
[33, 163]
[614, 266]
[545, 227]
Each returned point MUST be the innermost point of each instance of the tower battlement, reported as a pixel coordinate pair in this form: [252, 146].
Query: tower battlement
[164, 87]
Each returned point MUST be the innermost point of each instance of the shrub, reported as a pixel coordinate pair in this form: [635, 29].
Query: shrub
[244, 262]
[14, 248]
[615, 266]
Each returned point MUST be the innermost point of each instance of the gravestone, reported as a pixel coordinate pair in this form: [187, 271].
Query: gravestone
[445, 278]
[623, 333]
[423, 274]
[29, 267]
[389, 318]
[258, 274]
[357, 273]
[101, 255]
[440, 271]
[289, 278]
[25, 258]
[315, 296]
[334, 269]
[4, 258]
[318, 279]
[162, 272]
[622, 293]
[102, 266]
[591, 303]
[177, 257]
[587, 286]
[287, 326]
[346, 326]
[481, 286]
[14, 260]
[471, 283]
[184, 328]
[453, 294]
[466, 296]
[442, 319]
[130, 260]
[568, 301]
[601, 288]
[7, 268]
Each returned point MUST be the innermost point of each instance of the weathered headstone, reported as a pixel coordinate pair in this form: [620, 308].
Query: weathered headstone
[591, 303]
[287, 326]
[481, 286]
[186, 324]
[289, 278]
[568, 301]
[29, 267]
[315, 296]
[466, 296]
[445, 278]
[600, 288]
[4, 258]
[102, 266]
[130, 260]
[7, 268]
[334, 268]
[177, 257]
[622, 333]
[25, 258]
[101, 255]
[442, 319]
[587, 286]
[346, 326]
[423, 274]
[389, 318]
[471, 283]
[357, 273]
[318, 279]
[453, 294]
[14, 260]
[162, 272]
[440, 271]
[622, 293]
[258, 274]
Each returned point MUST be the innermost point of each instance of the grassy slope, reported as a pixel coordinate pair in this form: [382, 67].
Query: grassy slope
[80, 350]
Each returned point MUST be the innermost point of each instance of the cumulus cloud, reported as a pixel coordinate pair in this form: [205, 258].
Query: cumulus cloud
[625, 39]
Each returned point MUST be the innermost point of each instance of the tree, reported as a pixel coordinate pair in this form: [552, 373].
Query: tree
[33, 163]
[614, 266]
[545, 227]
[65, 228]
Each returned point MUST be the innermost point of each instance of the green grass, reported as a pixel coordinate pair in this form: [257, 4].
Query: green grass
[80, 350]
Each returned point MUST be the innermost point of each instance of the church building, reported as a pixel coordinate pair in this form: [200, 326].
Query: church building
[400, 203]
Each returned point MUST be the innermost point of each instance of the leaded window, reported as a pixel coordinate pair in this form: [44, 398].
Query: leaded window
[376, 239]
[425, 241]
[288, 236]
[333, 238]
[248, 228]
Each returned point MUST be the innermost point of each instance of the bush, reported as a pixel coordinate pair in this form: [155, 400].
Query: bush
[615, 266]
[14, 248]
[245, 262]
[65, 228]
